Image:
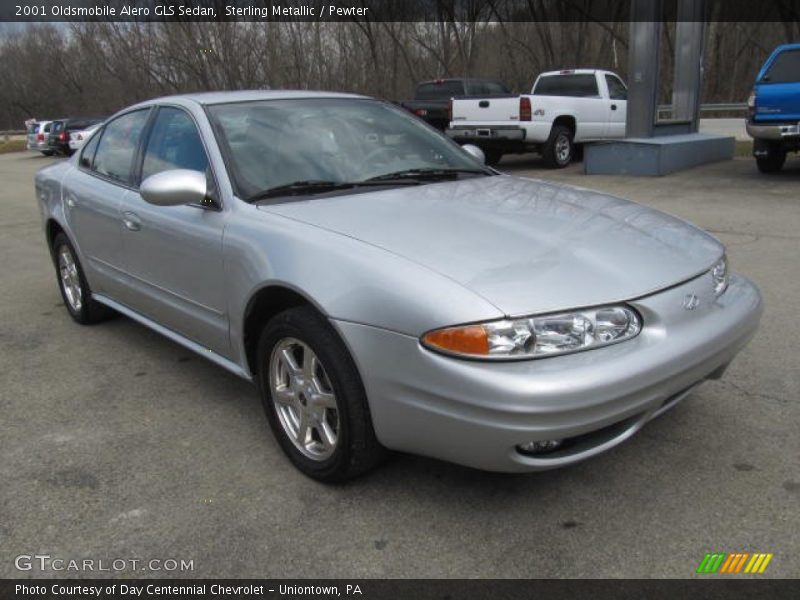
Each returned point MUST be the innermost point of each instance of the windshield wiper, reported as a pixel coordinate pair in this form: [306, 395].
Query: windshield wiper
[314, 186]
[300, 187]
[427, 174]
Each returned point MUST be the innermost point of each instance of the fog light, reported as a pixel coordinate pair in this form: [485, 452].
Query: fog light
[539, 447]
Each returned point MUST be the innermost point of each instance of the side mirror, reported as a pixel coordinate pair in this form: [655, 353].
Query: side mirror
[475, 152]
[175, 187]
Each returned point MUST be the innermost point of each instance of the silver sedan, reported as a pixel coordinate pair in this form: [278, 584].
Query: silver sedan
[382, 287]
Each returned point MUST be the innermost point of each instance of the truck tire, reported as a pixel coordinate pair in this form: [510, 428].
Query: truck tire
[559, 148]
[493, 156]
[771, 160]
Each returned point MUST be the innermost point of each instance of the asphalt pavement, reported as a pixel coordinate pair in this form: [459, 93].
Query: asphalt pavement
[119, 444]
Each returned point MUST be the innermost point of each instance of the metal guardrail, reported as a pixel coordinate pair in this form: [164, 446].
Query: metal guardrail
[709, 108]
[13, 132]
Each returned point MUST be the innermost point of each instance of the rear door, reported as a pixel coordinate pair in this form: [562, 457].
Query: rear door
[488, 102]
[778, 94]
[173, 254]
[93, 195]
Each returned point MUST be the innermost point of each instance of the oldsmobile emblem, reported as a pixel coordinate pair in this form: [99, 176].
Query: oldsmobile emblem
[690, 301]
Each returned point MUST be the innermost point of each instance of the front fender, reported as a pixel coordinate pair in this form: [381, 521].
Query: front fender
[346, 279]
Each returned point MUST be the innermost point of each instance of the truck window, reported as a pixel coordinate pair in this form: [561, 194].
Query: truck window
[439, 90]
[784, 69]
[486, 88]
[616, 89]
[576, 85]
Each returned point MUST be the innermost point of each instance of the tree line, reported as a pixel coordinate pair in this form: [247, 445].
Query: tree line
[94, 69]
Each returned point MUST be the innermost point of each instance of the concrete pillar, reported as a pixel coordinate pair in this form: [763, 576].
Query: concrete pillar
[688, 62]
[643, 76]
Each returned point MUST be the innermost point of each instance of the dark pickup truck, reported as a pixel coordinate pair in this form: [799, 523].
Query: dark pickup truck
[774, 109]
[432, 98]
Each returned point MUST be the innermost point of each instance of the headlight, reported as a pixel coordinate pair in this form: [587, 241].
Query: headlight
[534, 337]
[719, 275]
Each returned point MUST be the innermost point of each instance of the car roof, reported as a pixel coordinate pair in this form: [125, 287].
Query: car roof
[206, 98]
[467, 79]
[575, 72]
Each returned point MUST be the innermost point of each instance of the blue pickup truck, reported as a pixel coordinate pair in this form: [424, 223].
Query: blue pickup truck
[774, 109]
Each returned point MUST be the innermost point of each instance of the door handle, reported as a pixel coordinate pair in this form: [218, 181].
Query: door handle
[131, 221]
[613, 107]
[483, 104]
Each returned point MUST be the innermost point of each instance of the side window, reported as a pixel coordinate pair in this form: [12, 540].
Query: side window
[495, 89]
[87, 154]
[118, 144]
[174, 143]
[616, 89]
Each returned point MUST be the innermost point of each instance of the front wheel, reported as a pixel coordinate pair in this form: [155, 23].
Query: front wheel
[493, 156]
[559, 148]
[772, 161]
[314, 398]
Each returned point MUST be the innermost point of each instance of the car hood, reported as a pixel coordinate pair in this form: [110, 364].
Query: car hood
[526, 246]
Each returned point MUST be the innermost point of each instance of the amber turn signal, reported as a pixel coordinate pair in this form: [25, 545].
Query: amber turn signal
[470, 339]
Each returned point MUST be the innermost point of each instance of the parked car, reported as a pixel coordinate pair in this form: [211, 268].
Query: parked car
[432, 98]
[564, 108]
[774, 109]
[382, 287]
[37, 137]
[60, 130]
[78, 138]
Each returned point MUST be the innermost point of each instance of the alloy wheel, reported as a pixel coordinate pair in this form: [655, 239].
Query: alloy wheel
[70, 279]
[563, 149]
[303, 398]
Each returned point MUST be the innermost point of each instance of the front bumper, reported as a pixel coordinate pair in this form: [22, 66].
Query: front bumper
[773, 131]
[476, 413]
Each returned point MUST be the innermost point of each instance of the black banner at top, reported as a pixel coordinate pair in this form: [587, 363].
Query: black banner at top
[380, 10]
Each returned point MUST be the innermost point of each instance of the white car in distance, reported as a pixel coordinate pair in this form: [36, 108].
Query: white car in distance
[78, 138]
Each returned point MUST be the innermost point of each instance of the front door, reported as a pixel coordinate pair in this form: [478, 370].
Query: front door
[173, 254]
[617, 107]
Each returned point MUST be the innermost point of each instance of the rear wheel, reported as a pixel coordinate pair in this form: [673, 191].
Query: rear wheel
[559, 148]
[73, 286]
[314, 398]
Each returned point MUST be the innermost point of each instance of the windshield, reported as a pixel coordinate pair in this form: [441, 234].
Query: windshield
[272, 143]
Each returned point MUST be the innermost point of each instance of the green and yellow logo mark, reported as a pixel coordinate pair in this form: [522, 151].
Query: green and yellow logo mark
[735, 562]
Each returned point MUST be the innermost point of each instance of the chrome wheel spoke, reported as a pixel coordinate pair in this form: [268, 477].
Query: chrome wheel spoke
[303, 429]
[284, 396]
[309, 365]
[326, 434]
[290, 362]
[325, 400]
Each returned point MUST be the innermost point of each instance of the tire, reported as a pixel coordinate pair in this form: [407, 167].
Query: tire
[47, 152]
[333, 404]
[772, 162]
[74, 288]
[493, 156]
[559, 148]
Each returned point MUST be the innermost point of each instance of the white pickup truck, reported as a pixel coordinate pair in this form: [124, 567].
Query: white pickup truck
[564, 108]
